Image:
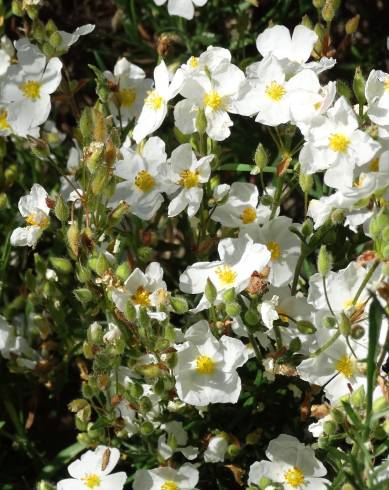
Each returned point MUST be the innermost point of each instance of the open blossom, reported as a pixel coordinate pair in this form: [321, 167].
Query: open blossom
[176, 430]
[143, 289]
[182, 8]
[291, 463]
[70, 38]
[187, 174]
[206, 367]
[239, 258]
[129, 89]
[27, 87]
[377, 96]
[165, 478]
[155, 104]
[335, 144]
[216, 450]
[35, 211]
[93, 470]
[6, 52]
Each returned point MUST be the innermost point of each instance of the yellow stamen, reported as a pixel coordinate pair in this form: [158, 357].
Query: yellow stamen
[248, 215]
[141, 297]
[31, 89]
[144, 181]
[127, 97]
[275, 91]
[338, 142]
[193, 62]
[40, 220]
[226, 275]
[345, 366]
[349, 304]
[189, 179]
[317, 105]
[294, 477]
[205, 365]
[282, 315]
[154, 100]
[213, 100]
[374, 165]
[275, 250]
[91, 481]
[3, 120]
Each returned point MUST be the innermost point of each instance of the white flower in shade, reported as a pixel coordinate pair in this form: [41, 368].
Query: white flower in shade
[182, 8]
[292, 463]
[283, 245]
[216, 450]
[70, 38]
[143, 171]
[155, 104]
[188, 174]
[206, 367]
[143, 289]
[176, 431]
[129, 89]
[5, 128]
[239, 258]
[185, 478]
[320, 209]
[35, 211]
[336, 368]
[92, 471]
[336, 145]
[218, 88]
[51, 134]
[27, 87]
[8, 342]
[6, 53]
[377, 96]
[208, 61]
[241, 209]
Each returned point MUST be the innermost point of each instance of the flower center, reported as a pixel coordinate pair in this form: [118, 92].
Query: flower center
[189, 179]
[282, 315]
[338, 142]
[374, 165]
[345, 366]
[248, 215]
[127, 97]
[92, 480]
[37, 219]
[294, 477]
[193, 62]
[349, 304]
[226, 275]
[141, 297]
[3, 119]
[205, 365]
[31, 89]
[170, 485]
[275, 91]
[274, 249]
[144, 181]
[213, 100]
[154, 100]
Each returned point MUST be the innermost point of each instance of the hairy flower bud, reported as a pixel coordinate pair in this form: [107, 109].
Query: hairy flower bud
[344, 325]
[61, 209]
[261, 159]
[210, 291]
[305, 182]
[130, 311]
[84, 295]
[61, 264]
[324, 261]
[359, 83]
[201, 122]
[179, 304]
[306, 327]
[233, 309]
[73, 236]
[352, 24]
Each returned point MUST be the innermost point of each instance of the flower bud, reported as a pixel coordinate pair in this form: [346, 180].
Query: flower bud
[102, 265]
[318, 3]
[266, 200]
[264, 482]
[44, 485]
[83, 273]
[254, 437]
[306, 22]
[305, 182]
[123, 271]
[329, 322]
[357, 332]
[305, 327]
[130, 311]
[171, 360]
[145, 404]
[201, 122]
[343, 89]
[233, 309]
[233, 450]
[329, 10]
[295, 345]
[261, 159]
[344, 325]
[307, 228]
[352, 24]
[86, 124]
[93, 155]
[48, 50]
[210, 291]
[61, 209]
[251, 317]
[324, 261]
[179, 304]
[347, 486]
[145, 254]
[73, 236]
[337, 216]
[136, 390]
[146, 428]
[358, 397]
[84, 295]
[17, 8]
[3, 201]
[359, 83]
[55, 39]
[95, 333]
[121, 209]
[61, 264]
[329, 427]
[229, 295]
[78, 404]
[100, 180]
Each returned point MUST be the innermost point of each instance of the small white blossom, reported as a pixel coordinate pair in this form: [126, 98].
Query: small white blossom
[185, 478]
[182, 8]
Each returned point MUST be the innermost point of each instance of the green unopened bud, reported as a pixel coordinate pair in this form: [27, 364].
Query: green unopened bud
[306, 22]
[324, 261]
[305, 327]
[254, 437]
[305, 182]
[251, 317]
[357, 332]
[343, 89]
[295, 345]
[3, 201]
[123, 271]
[359, 83]
[76, 405]
[44, 485]
[210, 291]
[100, 180]
[61, 209]
[144, 319]
[347, 486]
[179, 304]
[94, 155]
[329, 427]
[50, 27]
[264, 482]
[136, 390]
[329, 322]
[307, 228]
[10, 174]
[61, 264]
[318, 3]
[338, 415]
[86, 124]
[261, 159]
[171, 360]
[95, 333]
[102, 265]
[83, 273]
[146, 429]
[338, 216]
[120, 210]
[201, 122]
[329, 10]
[84, 295]
[229, 295]
[266, 200]
[145, 254]
[84, 414]
[55, 39]
[233, 450]
[352, 24]
[233, 309]
[130, 311]
[73, 236]
[39, 148]
[344, 325]
[358, 397]
[48, 50]
[145, 404]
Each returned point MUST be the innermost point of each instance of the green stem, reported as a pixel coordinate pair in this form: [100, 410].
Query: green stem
[325, 346]
[296, 276]
[253, 342]
[365, 281]
[277, 197]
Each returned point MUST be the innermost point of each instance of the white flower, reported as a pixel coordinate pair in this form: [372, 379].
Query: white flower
[142, 171]
[93, 470]
[216, 450]
[155, 104]
[377, 96]
[68, 39]
[144, 289]
[27, 88]
[291, 463]
[34, 209]
[336, 145]
[206, 367]
[129, 89]
[113, 333]
[241, 208]
[6, 52]
[175, 429]
[188, 174]
[283, 245]
[5, 128]
[185, 478]
[182, 8]
[7, 338]
[239, 258]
